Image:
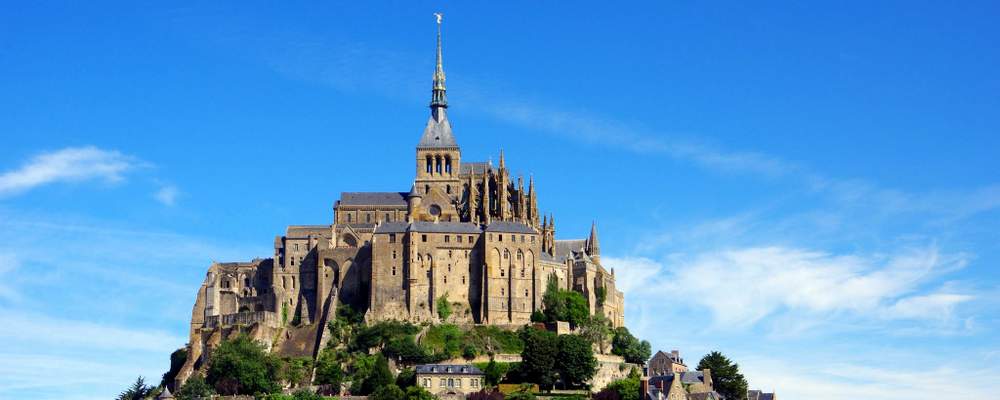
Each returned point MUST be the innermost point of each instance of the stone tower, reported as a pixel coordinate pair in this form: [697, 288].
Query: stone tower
[438, 155]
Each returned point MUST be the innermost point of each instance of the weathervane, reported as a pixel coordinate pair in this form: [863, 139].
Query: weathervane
[438, 15]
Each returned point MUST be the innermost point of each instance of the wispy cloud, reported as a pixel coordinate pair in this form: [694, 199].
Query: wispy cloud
[73, 164]
[761, 282]
[41, 330]
[167, 195]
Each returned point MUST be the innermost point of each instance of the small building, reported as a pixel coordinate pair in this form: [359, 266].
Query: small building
[666, 363]
[449, 378]
[760, 395]
[688, 385]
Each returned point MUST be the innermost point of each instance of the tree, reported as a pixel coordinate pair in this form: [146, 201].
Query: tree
[564, 305]
[623, 389]
[493, 373]
[406, 378]
[137, 391]
[418, 393]
[297, 371]
[328, 371]
[306, 394]
[243, 366]
[577, 308]
[576, 363]
[177, 360]
[380, 377]
[728, 380]
[387, 392]
[195, 388]
[443, 307]
[552, 301]
[629, 347]
[539, 356]
[596, 330]
[522, 393]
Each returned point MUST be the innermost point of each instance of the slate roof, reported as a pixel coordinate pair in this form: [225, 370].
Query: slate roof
[564, 248]
[507, 226]
[437, 135]
[373, 198]
[476, 167]
[686, 377]
[453, 369]
[704, 396]
[392, 227]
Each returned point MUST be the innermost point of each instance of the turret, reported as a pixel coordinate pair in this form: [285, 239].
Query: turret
[593, 246]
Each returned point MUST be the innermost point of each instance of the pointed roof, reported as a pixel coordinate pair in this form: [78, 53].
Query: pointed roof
[593, 246]
[437, 133]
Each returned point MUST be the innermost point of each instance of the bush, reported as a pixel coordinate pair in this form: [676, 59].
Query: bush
[387, 392]
[243, 366]
[194, 388]
[443, 307]
[629, 347]
[622, 389]
[328, 370]
[406, 378]
[575, 361]
[418, 393]
[306, 394]
[379, 377]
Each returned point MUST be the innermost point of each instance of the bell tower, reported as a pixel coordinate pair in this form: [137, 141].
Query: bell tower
[438, 156]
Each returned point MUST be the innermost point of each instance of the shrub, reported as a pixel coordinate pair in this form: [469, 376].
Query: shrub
[194, 388]
[243, 366]
[387, 392]
[443, 307]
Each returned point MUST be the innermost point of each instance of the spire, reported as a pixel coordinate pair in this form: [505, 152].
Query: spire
[593, 247]
[437, 133]
[502, 163]
[439, 101]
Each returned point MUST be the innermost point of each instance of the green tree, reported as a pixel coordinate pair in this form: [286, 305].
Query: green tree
[137, 391]
[406, 378]
[728, 380]
[522, 393]
[493, 373]
[177, 360]
[596, 330]
[624, 389]
[538, 359]
[418, 393]
[629, 347]
[380, 377]
[297, 371]
[577, 308]
[575, 361]
[564, 305]
[443, 307]
[243, 366]
[387, 392]
[306, 394]
[195, 388]
[328, 369]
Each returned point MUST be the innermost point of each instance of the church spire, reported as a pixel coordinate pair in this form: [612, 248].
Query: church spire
[593, 247]
[439, 102]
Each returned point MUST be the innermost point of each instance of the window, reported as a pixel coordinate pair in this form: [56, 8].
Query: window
[392, 239]
[430, 164]
[506, 254]
[474, 382]
[502, 292]
[501, 237]
[293, 261]
[427, 382]
[394, 254]
[501, 271]
[522, 238]
[423, 238]
[525, 292]
[449, 251]
[451, 382]
[368, 218]
[296, 247]
[442, 382]
[532, 239]
[386, 216]
[458, 382]
[393, 270]
[348, 217]
[427, 189]
[446, 279]
[459, 238]
[447, 188]
[470, 239]
[293, 283]
[447, 238]
[522, 272]
[463, 279]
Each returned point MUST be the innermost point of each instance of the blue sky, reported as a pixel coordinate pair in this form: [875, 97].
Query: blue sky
[810, 188]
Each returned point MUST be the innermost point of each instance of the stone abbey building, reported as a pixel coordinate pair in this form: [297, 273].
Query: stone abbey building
[466, 233]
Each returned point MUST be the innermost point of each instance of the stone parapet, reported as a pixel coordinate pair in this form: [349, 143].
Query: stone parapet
[266, 318]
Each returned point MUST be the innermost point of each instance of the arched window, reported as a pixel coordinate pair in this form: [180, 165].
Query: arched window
[447, 189]
[427, 189]
[447, 164]
[348, 217]
[430, 164]
[438, 163]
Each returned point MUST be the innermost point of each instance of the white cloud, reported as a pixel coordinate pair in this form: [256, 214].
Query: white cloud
[759, 282]
[167, 195]
[836, 380]
[73, 164]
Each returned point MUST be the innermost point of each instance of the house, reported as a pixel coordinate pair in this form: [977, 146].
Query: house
[760, 395]
[665, 363]
[449, 378]
[687, 385]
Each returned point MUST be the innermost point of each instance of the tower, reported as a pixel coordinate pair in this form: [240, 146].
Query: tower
[593, 247]
[438, 155]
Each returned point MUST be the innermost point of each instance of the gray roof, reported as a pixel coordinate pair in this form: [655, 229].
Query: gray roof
[686, 377]
[478, 167]
[564, 248]
[301, 231]
[392, 227]
[437, 135]
[507, 226]
[704, 396]
[454, 369]
[445, 227]
[373, 198]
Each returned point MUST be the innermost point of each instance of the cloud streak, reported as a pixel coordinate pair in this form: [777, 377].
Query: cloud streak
[72, 164]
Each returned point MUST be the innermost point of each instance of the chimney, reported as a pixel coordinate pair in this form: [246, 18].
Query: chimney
[644, 386]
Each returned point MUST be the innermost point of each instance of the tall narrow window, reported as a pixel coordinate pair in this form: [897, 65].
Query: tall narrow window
[447, 189]
[368, 218]
[430, 164]
[393, 270]
[348, 217]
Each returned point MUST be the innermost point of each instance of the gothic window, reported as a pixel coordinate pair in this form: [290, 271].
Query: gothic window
[519, 254]
[506, 254]
[430, 164]
[447, 164]
[246, 282]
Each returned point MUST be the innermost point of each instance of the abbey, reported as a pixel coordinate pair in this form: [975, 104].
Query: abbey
[465, 233]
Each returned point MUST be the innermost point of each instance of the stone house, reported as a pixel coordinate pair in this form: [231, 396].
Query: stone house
[452, 379]
[664, 363]
[687, 385]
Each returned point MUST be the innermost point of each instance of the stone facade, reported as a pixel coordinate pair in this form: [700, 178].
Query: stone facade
[665, 363]
[457, 379]
[466, 233]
